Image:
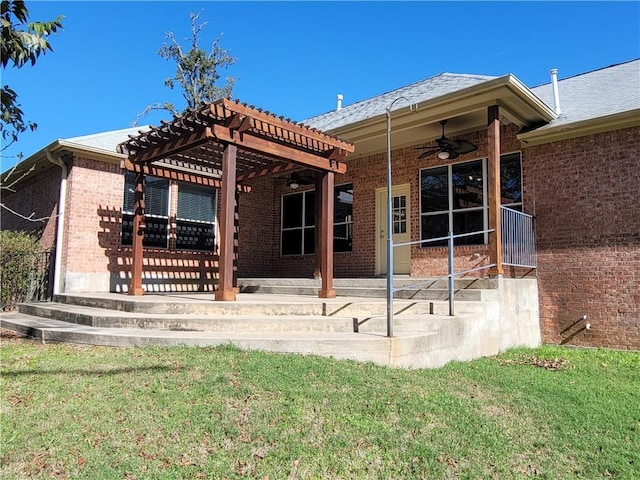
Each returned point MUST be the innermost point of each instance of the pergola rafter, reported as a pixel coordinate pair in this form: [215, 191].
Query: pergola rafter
[221, 145]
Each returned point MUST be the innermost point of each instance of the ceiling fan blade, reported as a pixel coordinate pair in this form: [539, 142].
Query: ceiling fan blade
[444, 142]
[465, 147]
[307, 180]
[429, 152]
[452, 155]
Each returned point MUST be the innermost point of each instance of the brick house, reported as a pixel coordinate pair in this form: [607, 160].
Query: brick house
[568, 155]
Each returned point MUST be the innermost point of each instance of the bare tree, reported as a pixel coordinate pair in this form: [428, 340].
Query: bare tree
[197, 72]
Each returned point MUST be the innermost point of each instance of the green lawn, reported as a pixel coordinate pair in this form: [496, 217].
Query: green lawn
[168, 413]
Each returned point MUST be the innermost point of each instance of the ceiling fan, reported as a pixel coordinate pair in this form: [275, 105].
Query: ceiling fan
[295, 180]
[447, 149]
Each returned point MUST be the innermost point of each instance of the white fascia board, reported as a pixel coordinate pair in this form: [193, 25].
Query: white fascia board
[592, 126]
[90, 152]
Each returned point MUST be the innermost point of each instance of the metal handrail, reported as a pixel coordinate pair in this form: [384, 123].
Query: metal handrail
[517, 231]
[518, 238]
[451, 270]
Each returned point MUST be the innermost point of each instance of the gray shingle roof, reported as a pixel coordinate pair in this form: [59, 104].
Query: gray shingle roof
[607, 91]
[599, 93]
[106, 140]
[421, 91]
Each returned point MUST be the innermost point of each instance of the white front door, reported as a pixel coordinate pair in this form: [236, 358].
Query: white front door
[401, 229]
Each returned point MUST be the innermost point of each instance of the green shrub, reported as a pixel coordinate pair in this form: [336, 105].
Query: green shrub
[19, 272]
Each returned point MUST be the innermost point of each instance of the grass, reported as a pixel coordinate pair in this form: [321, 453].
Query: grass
[220, 413]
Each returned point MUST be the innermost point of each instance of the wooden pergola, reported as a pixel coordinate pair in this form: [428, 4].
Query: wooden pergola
[222, 145]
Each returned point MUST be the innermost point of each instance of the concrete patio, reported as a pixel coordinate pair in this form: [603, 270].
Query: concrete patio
[488, 319]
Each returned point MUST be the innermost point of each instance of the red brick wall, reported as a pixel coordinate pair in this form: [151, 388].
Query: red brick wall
[93, 232]
[94, 188]
[258, 230]
[585, 191]
[38, 196]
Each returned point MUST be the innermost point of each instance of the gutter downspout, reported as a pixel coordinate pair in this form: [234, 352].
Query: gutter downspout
[62, 202]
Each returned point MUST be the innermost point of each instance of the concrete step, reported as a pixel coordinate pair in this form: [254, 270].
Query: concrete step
[238, 322]
[373, 292]
[262, 305]
[408, 350]
[194, 304]
[346, 319]
[379, 282]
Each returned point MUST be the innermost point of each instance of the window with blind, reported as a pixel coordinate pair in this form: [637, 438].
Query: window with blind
[156, 199]
[196, 217]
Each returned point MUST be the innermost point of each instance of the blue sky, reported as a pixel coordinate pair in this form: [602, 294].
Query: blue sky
[294, 57]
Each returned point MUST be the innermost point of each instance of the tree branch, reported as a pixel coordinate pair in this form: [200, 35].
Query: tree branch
[13, 183]
[30, 217]
[156, 106]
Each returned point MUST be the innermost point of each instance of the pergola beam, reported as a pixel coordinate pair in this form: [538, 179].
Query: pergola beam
[294, 129]
[256, 144]
[181, 176]
[173, 147]
[263, 172]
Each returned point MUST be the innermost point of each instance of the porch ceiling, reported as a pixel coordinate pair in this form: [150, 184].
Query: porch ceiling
[267, 144]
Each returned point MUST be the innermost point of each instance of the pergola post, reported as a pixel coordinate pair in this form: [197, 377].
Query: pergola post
[226, 291]
[317, 265]
[135, 286]
[494, 190]
[326, 236]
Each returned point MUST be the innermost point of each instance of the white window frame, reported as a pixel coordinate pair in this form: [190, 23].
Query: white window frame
[348, 223]
[303, 226]
[450, 192]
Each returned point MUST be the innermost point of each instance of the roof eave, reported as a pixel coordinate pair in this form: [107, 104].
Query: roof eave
[518, 104]
[94, 152]
[491, 92]
[38, 162]
[548, 134]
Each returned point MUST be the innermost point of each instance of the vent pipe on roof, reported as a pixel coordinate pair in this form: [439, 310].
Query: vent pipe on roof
[339, 106]
[556, 93]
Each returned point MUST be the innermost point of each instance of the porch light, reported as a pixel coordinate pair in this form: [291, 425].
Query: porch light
[443, 155]
[293, 184]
